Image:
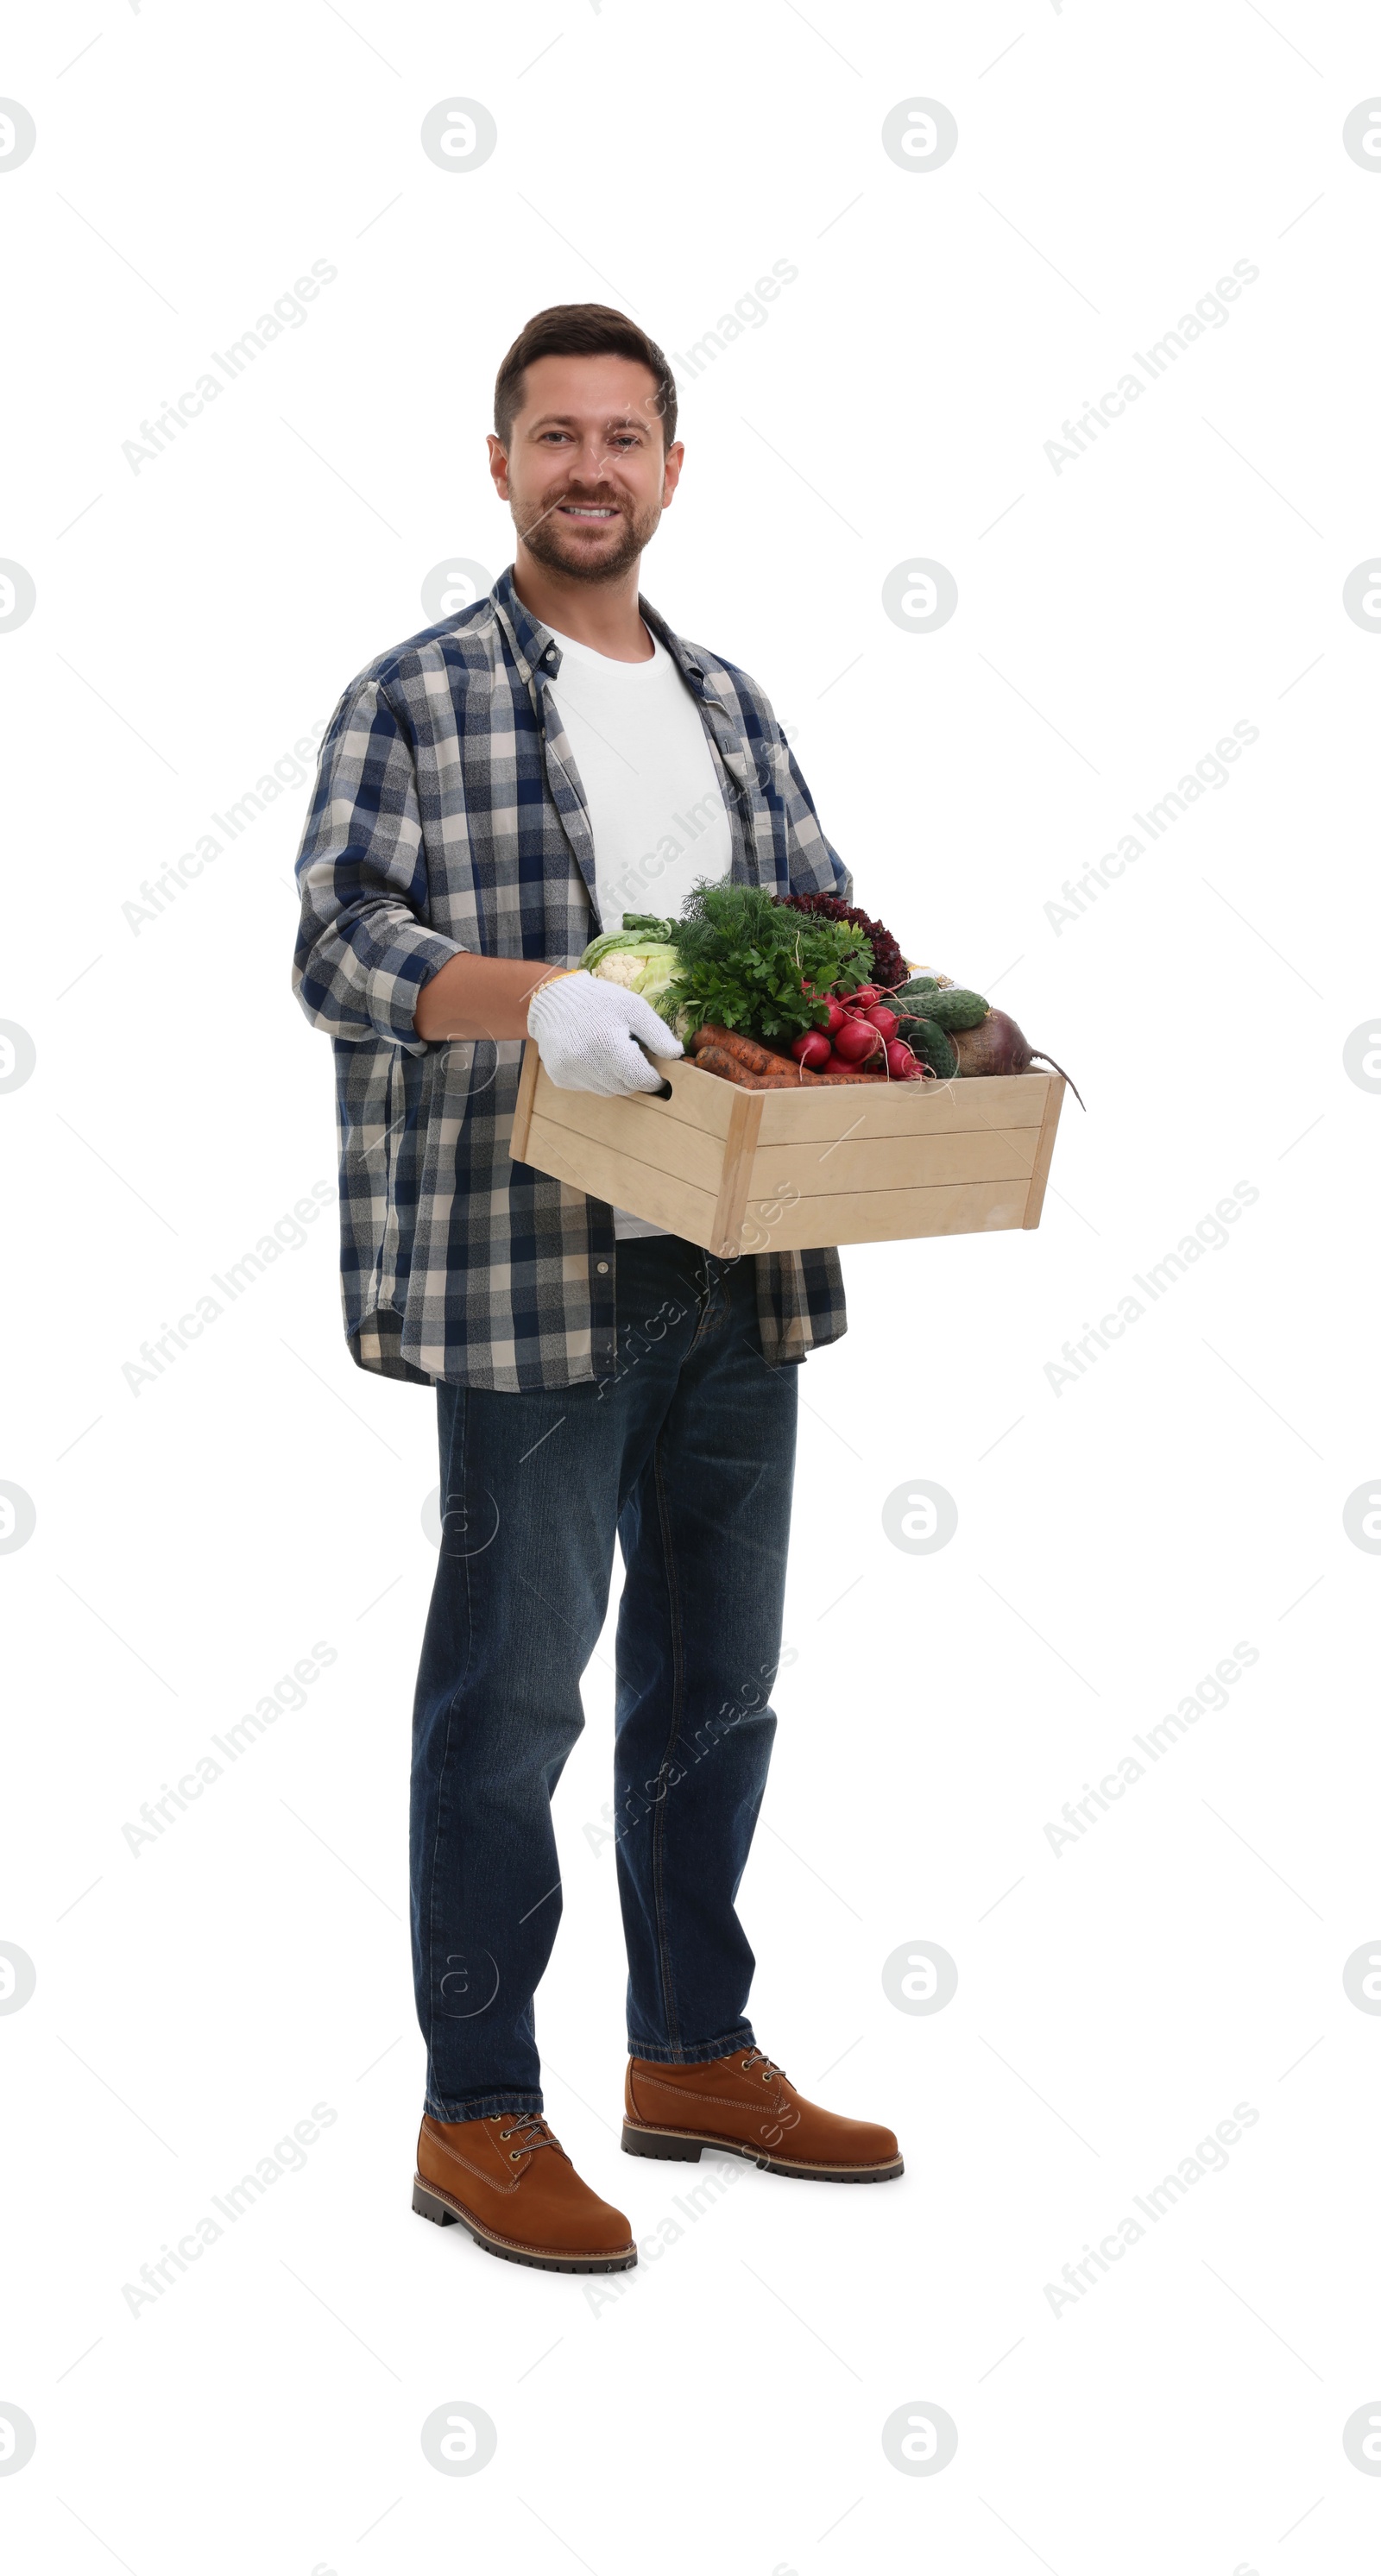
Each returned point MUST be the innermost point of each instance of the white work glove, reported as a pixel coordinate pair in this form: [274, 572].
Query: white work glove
[588, 1034]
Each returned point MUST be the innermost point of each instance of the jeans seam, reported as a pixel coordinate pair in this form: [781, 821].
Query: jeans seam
[677, 1692]
[463, 1409]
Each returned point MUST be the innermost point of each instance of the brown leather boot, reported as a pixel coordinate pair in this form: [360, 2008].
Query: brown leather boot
[518, 2201]
[745, 2106]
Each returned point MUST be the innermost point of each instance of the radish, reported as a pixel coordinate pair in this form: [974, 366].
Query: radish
[837, 1015]
[885, 1021]
[864, 998]
[900, 1059]
[812, 1049]
[855, 1040]
[997, 1045]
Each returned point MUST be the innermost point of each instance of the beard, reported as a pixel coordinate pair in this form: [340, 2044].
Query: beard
[550, 543]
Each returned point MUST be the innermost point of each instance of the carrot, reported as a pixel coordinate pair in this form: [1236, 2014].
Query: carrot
[753, 1057]
[781, 1071]
[788, 1077]
[715, 1059]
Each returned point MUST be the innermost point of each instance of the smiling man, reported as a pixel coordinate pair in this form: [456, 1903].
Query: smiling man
[490, 795]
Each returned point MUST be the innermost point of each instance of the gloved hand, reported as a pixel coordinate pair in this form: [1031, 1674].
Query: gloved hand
[588, 1033]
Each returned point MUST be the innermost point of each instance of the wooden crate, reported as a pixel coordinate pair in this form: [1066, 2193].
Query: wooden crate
[783, 1171]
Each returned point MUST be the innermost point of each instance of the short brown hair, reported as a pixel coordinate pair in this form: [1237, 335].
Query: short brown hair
[580, 331]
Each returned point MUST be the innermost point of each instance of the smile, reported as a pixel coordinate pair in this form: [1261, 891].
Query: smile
[572, 510]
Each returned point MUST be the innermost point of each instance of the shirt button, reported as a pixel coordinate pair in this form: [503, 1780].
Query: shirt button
[601, 1267]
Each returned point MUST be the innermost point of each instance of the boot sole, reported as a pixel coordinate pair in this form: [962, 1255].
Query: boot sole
[443, 2211]
[686, 2146]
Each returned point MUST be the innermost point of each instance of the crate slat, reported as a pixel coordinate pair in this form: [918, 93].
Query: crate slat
[603, 1173]
[631, 1126]
[903, 1108]
[882, 1216]
[898, 1162]
[698, 1100]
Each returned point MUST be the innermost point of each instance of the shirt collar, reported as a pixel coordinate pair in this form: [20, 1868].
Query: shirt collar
[536, 650]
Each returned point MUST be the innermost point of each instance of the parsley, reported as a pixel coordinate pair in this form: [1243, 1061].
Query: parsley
[742, 957]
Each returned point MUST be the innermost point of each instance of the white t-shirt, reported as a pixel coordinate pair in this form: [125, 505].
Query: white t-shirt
[656, 808]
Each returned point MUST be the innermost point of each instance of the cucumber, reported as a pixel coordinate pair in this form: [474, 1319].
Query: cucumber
[913, 990]
[955, 1008]
[929, 1043]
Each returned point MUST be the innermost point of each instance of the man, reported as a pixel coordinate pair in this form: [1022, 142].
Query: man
[491, 795]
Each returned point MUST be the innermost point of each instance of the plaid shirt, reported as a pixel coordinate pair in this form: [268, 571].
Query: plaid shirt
[447, 815]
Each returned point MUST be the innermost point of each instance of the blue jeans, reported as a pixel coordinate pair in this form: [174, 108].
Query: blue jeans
[686, 1450]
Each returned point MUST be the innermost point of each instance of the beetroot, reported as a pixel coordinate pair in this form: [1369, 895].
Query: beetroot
[997, 1045]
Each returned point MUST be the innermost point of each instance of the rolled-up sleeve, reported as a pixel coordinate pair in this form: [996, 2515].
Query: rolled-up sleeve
[364, 948]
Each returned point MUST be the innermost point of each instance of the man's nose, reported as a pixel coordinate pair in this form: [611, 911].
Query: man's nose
[591, 464]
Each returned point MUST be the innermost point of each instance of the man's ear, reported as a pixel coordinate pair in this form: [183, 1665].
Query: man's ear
[498, 465]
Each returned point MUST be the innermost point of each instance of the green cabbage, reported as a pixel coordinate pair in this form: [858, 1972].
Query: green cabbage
[640, 930]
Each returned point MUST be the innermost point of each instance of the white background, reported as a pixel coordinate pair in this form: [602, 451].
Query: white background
[1115, 1538]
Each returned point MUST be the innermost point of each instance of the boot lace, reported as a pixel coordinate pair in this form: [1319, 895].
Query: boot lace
[531, 2131]
[758, 2057]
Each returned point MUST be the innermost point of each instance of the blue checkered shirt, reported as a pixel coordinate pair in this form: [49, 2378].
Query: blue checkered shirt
[448, 814]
